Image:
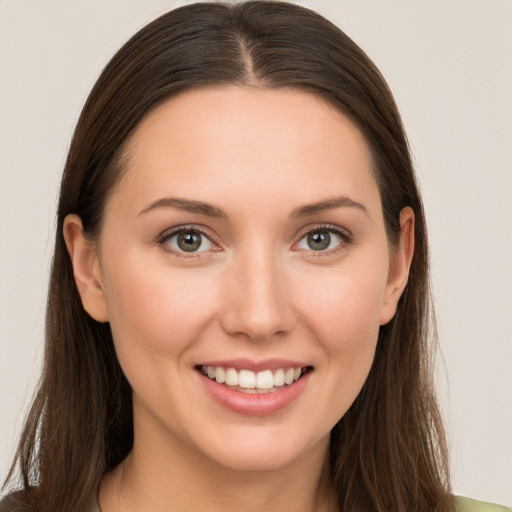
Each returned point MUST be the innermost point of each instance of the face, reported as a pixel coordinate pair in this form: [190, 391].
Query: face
[244, 269]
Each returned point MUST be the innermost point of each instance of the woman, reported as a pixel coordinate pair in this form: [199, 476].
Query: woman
[238, 311]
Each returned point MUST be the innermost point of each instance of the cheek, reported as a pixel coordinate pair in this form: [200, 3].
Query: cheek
[345, 307]
[156, 308]
[343, 315]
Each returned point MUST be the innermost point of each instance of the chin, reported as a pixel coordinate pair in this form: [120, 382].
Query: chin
[260, 451]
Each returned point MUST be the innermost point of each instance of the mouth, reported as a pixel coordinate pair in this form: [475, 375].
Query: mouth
[251, 382]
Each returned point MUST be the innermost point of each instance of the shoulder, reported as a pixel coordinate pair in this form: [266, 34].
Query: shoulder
[469, 505]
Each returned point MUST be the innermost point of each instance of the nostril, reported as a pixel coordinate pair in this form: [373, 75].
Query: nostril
[257, 326]
[256, 301]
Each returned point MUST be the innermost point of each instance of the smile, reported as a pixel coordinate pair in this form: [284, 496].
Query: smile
[248, 381]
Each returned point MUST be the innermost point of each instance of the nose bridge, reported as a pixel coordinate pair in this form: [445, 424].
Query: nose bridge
[258, 303]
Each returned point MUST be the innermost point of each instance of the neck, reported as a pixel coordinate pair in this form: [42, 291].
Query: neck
[159, 475]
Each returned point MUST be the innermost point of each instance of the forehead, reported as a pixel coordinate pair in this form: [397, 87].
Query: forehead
[238, 112]
[241, 139]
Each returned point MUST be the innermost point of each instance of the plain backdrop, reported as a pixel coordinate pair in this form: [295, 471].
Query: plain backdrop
[449, 64]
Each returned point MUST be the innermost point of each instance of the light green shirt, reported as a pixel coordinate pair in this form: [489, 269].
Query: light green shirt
[469, 505]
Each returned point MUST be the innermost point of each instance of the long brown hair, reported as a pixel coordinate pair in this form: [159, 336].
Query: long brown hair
[388, 452]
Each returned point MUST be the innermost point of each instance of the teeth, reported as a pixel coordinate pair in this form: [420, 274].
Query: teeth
[231, 377]
[220, 374]
[265, 380]
[249, 380]
[279, 378]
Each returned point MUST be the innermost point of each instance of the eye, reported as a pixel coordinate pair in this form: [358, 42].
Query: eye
[321, 240]
[188, 240]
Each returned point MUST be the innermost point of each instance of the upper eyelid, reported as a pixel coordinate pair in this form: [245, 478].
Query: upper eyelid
[345, 235]
[346, 241]
[168, 233]
[344, 232]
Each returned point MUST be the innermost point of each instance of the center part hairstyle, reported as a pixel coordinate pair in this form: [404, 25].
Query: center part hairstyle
[388, 451]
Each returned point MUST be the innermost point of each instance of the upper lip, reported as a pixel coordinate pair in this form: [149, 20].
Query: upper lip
[255, 366]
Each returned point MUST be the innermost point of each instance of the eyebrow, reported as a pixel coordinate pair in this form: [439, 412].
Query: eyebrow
[326, 205]
[186, 205]
[209, 210]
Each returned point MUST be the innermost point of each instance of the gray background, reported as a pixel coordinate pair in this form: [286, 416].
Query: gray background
[449, 64]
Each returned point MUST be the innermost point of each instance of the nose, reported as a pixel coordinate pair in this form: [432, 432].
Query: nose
[257, 300]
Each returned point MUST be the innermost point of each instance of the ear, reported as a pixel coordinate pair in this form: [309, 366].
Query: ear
[86, 268]
[399, 266]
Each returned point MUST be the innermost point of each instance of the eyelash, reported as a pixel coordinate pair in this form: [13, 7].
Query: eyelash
[345, 236]
[164, 238]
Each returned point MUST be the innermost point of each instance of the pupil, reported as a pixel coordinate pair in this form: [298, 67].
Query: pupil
[189, 242]
[319, 241]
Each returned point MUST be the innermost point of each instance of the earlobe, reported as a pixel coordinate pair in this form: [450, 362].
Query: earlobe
[86, 268]
[400, 265]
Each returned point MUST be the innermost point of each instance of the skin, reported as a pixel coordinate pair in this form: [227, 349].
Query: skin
[257, 291]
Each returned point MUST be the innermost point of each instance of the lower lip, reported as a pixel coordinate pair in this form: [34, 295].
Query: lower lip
[261, 404]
